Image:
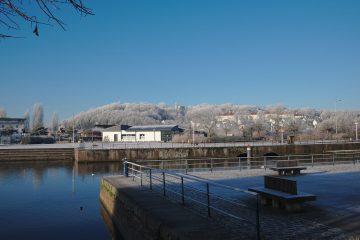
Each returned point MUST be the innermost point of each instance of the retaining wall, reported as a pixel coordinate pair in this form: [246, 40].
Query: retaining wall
[85, 155]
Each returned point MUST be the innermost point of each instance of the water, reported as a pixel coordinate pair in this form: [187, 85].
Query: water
[52, 201]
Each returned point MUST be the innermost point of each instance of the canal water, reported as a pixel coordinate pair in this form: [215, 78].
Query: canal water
[53, 201]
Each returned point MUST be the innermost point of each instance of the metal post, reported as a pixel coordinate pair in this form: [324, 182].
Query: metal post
[248, 155]
[333, 159]
[257, 218]
[353, 158]
[163, 175]
[186, 166]
[312, 160]
[356, 131]
[141, 180]
[211, 164]
[208, 199]
[182, 191]
[265, 163]
[150, 179]
[239, 163]
[126, 169]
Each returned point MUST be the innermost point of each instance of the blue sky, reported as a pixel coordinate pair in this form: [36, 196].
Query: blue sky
[299, 53]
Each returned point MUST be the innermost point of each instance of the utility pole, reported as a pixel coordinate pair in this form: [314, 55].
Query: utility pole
[336, 120]
[73, 138]
[193, 132]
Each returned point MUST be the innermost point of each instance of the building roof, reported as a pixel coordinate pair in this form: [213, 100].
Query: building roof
[154, 128]
[143, 128]
[6, 119]
[116, 128]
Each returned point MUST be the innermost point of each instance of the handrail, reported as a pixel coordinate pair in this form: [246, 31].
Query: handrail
[166, 181]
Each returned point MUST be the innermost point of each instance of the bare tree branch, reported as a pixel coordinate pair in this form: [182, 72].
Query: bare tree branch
[12, 12]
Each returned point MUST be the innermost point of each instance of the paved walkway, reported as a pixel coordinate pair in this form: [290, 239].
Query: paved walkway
[335, 214]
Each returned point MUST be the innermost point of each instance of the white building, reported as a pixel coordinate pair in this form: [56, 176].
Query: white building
[149, 133]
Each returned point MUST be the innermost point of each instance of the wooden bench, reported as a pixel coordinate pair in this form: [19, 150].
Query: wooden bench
[288, 167]
[281, 192]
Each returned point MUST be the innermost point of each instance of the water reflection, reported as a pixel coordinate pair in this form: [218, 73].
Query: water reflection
[53, 200]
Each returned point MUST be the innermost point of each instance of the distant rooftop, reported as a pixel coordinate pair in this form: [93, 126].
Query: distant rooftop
[144, 128]
[7, 119]
[116, 128]
[155, 128]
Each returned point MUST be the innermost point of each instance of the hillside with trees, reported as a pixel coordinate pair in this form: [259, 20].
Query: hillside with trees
[231, 121]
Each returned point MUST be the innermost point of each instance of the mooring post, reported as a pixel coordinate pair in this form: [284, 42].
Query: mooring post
[126, 168]
[182, 191]
[208, 198]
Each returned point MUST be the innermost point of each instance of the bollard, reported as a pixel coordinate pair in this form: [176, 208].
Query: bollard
[126, 169]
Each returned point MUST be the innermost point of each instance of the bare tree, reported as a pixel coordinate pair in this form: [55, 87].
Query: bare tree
[54, 122]
[38, 117]
[27, 121]
[2, 112]
[13, 13]
[204, 116]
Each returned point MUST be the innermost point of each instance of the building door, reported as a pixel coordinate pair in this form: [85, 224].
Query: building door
[115, 137]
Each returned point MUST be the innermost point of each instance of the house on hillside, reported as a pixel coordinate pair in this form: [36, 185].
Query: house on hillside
[11, 129]
[13, 124]
[147, 133]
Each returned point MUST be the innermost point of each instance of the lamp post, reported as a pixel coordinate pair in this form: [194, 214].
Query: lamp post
[356, 131]
[336, 120]
[193, 132]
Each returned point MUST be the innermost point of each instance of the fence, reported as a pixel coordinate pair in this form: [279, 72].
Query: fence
[263, 162]
[216, 201]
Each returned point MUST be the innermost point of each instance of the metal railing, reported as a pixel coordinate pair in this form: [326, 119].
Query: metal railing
[152, 145]
[216, 201]
[242, 163]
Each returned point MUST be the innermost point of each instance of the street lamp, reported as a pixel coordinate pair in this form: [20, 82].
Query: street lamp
[193, 132]
[336, 120]
[356, 131]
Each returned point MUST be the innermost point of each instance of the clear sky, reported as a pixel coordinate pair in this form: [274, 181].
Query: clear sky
[299, 53]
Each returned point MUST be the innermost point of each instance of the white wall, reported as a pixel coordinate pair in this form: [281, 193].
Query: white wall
[143, 136]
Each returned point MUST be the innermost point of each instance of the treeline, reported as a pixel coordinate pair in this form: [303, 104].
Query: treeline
[248, 122]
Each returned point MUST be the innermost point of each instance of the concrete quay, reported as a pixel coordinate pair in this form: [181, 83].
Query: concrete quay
[138, 213]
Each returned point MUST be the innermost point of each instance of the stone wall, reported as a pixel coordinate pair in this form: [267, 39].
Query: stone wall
[82, 155]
